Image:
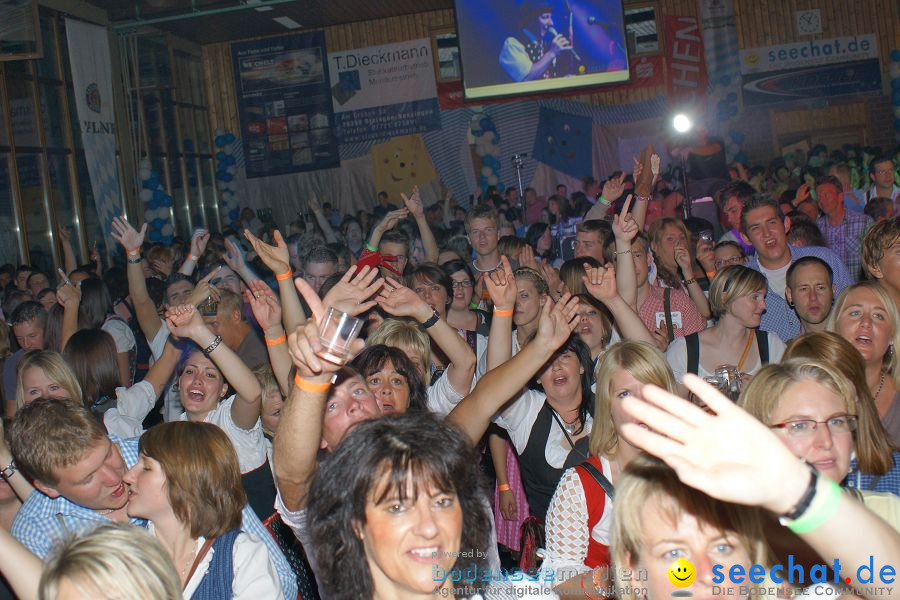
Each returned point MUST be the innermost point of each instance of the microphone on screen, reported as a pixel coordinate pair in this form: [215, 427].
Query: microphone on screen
[552, 31]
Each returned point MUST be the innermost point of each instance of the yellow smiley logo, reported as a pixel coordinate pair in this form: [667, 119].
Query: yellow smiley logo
[682, 573]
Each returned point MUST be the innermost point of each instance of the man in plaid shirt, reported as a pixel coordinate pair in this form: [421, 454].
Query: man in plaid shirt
[843, 230]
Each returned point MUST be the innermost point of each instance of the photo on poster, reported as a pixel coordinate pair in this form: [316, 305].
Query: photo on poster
[298, 123]
[281, 69]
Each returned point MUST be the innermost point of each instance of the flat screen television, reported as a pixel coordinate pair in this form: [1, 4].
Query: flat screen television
[512, 47]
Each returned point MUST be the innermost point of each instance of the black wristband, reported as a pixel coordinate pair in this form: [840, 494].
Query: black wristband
[432, 321]
[215, 344]
[805, 500]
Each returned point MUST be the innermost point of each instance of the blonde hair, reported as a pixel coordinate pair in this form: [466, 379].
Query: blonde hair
[406, 336]
[891, 362]
[113, 561]
[529, 274]
[55, 368]
[655, 233]
[229, 303]
[509, 246]
[646, 479]
[268, 384]
[761, 396]
[874, 447]
[646, 364]
[731, 283]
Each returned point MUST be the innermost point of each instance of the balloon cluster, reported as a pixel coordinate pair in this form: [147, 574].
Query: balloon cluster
[895, 90]
[486, 140]
[157, 204]
[225, 170]
[733, 150]
[727, 108]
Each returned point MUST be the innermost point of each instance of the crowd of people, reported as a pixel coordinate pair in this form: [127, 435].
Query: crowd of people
[538, 397]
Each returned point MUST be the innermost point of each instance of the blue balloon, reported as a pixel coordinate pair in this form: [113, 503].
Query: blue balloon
[741, 158]
[487, 124]
[188, 144]
[737, 137]
[732, 97]
[488, 160]
[157, 223]
[220, 156]
[226, 177]
[895, 55]
[228, 160]
[477, 132]
[152, 205]
[725, 81]
[167, 202]
[229, 138]
[158, 195]
[219, 141]
[154, 235]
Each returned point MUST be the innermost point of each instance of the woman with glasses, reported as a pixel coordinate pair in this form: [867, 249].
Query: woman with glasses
[473, 324]
[813, 408]
[728, 253]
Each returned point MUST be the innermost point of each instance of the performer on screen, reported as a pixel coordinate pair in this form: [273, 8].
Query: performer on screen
[537, 52]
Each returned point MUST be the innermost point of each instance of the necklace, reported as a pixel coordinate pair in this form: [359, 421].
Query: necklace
[480, 270]
[188, 562]
[880, 385]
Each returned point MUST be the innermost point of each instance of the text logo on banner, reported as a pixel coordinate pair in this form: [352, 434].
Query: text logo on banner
[91, 72]
[384, 91]
[685, 61]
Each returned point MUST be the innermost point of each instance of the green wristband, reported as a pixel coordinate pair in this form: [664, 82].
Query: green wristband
[603, 201]
[371, 248]
[473, 305]
[813, 519]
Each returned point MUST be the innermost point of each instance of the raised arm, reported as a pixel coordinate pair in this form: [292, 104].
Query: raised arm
[625, 229]
[278, 259]
[414, 205]
[21, 568]
[70, 297]
[198, 247]
[161, 371]
[144, 308]
[683, 259]
[267, 311]
[385, 224]
[644, 194]
[185, 321]
[65, 242]
[299, 435]
[19, 484]
[501, 285]
[400, 301]
[601, 284]
[733, 457]
[498, 386]
[316, 208]
[234, 258]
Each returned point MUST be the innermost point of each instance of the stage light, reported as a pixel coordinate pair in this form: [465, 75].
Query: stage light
[682, 123]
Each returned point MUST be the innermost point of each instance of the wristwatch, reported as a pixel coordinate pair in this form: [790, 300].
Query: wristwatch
[432, 320]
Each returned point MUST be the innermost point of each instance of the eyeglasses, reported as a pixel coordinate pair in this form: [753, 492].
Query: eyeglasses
[461, 284]
[802, 428]
[726, 262]
[434, 289]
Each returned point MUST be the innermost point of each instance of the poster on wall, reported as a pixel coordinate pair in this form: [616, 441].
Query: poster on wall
[384, 91]
[842, 79]
[284, 104]
[687, 81]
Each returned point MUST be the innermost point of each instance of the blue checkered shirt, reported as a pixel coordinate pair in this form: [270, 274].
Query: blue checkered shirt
[779, 317]
[42, 521]
[846, 239]
[889, 482]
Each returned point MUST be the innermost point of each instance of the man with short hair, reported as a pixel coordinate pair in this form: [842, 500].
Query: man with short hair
[843, 230]
[853, 200]
[562, 191]
[383, 207]
[533, 206]
[319, 264]
[810, 291]
[882, 174]
[229, 322]
[37, 281]
[881, 255]
[730, 200]
[22, 274]
[766, 227]
[78, 475]
[590, 238]
[27, 322]
[482, 226]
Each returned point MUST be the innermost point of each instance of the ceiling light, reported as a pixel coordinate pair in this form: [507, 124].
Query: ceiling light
[288, 22]
[261, 8]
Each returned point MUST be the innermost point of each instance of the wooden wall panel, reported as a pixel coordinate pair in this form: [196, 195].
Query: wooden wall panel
[759, 23]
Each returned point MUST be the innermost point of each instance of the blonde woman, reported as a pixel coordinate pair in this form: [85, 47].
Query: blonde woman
[866, 316]
[45, 374]
[579, 519]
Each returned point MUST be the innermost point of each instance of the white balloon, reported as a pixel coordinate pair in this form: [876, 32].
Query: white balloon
[144, 173]
[228, 149]
[488, 136]
[146, 195]
[162, 213]
[230, 170]
[493, 180]
[895, 70]
[487, 171]
[149, 215]
[227, 196]
[145, 164]
[231, 186]
[479, 150]
[167, 229]
[220, 131]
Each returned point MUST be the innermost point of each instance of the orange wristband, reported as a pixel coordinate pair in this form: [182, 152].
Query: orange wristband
[311, 386]
[503, 313]
[504, 487]
[286, 275]
[276, 341]
[710, 274]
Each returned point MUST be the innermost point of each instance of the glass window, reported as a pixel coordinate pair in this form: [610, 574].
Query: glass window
[21, 110]
[51, 114]
[36, 222]
[9, 246]
[46, 65]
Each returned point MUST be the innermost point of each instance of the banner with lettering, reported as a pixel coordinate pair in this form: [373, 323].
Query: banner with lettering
[92, 86]
[384, 91]
[685, 61]
[723, 64]
[287, 124]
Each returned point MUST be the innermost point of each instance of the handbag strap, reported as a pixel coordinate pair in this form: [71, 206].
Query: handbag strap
[667, 307]
[600, 478]
[203, 551]
[559, 422]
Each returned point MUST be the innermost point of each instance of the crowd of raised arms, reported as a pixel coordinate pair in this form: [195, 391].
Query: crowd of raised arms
[547, 397]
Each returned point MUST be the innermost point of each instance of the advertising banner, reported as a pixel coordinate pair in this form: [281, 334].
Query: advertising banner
[687, 81]
[284, 104]
[809, 54]
[385, 91]
[815, 82]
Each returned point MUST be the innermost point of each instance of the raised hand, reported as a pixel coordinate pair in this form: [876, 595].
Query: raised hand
[683, 260]
[501, 285]
[68, 295]
[660, 336]
[126, 235]
[233, 257]
[526, 257]
[400, 301]
[313, 202]
[390, 219]
[198, 242]
[351, 294]
[184, 321]
[803, 194]
[264, 304]
[551, 276]
[624, 227]
[600, 282]
[276, 257]
[638, 168]
[728, 455]
[614, 188]
[654, 165]
[65, 234]
[95, 253]
[414, 203]
[557, 322]
[204, 289]
[303, 343]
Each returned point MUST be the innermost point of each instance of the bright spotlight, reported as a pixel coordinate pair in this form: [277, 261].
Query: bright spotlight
[682, 123]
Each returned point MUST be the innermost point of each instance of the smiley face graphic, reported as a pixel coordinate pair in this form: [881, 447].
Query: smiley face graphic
[682, 573]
